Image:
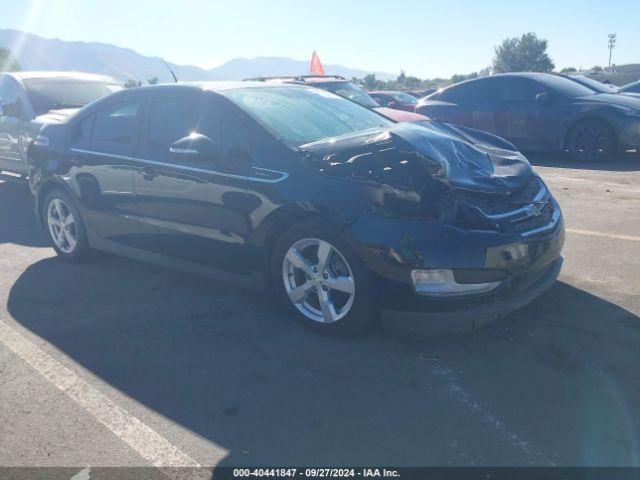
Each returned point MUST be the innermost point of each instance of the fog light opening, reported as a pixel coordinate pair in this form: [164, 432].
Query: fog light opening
[441, 283]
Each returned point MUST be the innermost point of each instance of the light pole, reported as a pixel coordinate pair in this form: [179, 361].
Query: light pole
[612, 43]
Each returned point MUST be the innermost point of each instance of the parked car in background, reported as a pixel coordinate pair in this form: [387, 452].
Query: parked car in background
[340, 211]
[594, 85]
[422, 93]
[631, 88]
[539, 111]
[394, 99]
[29, 100]
[346, 89]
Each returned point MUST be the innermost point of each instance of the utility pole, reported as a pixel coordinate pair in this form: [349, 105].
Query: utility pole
[612, 43]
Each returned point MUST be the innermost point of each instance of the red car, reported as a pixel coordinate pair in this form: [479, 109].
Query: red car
[349, 90]
[393, 99]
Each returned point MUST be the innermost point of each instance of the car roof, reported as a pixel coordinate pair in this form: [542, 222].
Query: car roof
[529, 75]
[28, 75]
[214, 86]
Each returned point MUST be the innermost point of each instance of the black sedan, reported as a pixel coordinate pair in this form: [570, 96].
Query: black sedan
[338, 210]
[538, 111]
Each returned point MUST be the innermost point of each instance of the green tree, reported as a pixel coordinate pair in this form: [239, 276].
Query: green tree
[525, 54]
[596, 69]
[8, 62]
[370, 81]
[568, 70]
[152, 81]
[131, 83]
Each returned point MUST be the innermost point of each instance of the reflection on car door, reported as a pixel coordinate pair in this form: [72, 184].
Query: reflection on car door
[102, 170]
[189, 208]
[523, 124]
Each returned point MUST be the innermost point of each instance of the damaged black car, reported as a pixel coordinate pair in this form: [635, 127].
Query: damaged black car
[338, 211]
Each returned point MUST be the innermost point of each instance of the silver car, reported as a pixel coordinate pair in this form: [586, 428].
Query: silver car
[29, 100]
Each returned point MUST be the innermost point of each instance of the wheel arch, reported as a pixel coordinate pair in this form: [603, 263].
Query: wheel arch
[278, 222]
[43, 190]
[585, 118]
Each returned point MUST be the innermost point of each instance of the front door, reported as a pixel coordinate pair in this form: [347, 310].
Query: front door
[189, 207]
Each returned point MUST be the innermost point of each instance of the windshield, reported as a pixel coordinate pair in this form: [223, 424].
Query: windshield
[596, 85]
[299, 115]
[564, 86]
[405, 98]
[51, 94]
[349, 91]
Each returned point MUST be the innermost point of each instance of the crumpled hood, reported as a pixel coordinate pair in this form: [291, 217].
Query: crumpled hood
[408, 153]
[400, 115]
[55, 116]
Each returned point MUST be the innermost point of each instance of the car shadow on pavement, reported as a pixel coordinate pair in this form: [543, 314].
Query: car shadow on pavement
[17, 218]
[555, 383]
[624, 162]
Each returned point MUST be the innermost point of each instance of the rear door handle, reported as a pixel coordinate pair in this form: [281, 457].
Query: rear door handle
[148, 173]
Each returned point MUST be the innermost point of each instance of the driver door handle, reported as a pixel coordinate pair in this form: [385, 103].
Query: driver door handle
[148, 173]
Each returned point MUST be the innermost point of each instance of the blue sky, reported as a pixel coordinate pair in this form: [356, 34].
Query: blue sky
[425, 38]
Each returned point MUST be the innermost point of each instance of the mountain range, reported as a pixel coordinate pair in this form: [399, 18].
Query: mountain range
[38, 53]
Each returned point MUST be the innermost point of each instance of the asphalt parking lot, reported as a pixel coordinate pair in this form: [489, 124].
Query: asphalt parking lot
[119, 363]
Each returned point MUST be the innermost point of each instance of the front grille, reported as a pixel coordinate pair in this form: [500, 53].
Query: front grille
[528, 211]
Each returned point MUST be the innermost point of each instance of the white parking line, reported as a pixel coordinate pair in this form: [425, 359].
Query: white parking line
[603, 235]
[148, 443]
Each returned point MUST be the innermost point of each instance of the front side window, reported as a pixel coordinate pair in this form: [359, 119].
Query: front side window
[171, 119]
[117, 123]
[564, 86]
[298, 115]
[56, 93]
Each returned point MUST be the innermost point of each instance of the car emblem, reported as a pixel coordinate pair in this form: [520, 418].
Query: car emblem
[535, 210]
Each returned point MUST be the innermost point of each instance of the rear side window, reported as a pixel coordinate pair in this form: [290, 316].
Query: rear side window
[520, 90]
[473, 91]
[173, 118]
[117, 123]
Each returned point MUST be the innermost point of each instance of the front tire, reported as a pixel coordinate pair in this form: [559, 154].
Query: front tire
[65, 226]
[322, 281]
[590, 141]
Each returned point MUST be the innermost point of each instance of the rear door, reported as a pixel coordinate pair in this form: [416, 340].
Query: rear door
[188, 208]
[102, 144]
[524, 122]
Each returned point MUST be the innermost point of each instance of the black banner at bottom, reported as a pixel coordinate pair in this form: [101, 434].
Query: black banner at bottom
[399, 473]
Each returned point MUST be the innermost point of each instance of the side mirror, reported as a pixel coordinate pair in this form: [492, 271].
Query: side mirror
[195, 147]
[543, 98]
[392, 104]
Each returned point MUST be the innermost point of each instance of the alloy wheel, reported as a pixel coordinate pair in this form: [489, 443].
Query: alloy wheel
[62, 225]
[590, 141]
[318, 280]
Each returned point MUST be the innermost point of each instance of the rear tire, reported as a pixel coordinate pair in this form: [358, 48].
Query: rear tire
[64, 226]
[591, 141]
[321, 280]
